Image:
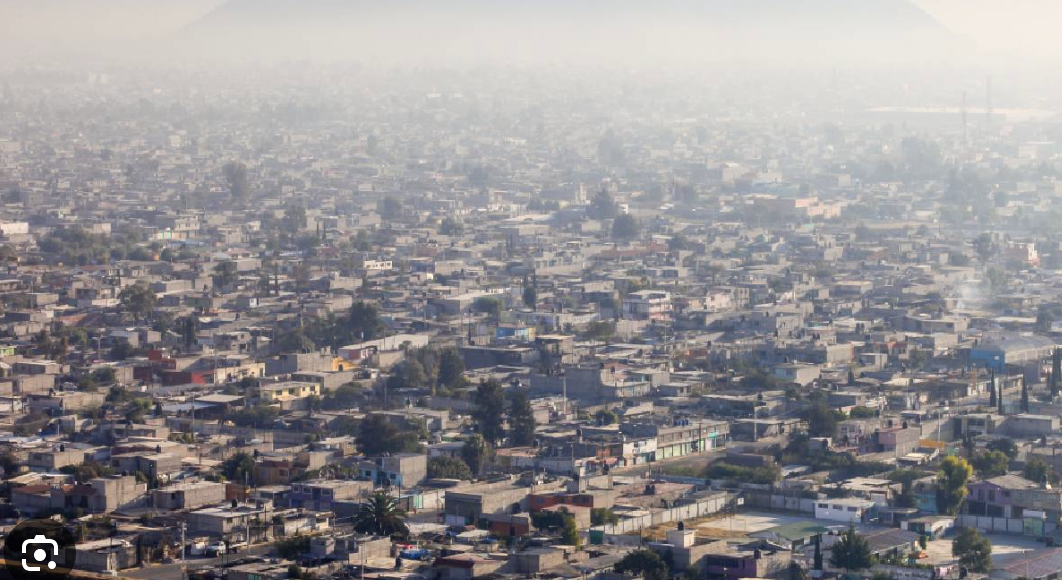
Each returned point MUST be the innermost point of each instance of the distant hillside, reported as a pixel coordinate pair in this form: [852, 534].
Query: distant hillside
[773, 30]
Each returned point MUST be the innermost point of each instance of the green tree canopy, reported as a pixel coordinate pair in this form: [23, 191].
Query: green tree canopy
[476, 453]
[1037, 470]
[488, 305]
[225, 273]
[138, 300]
[954, 474]
[645, 563]
[822, 422]
[624, 228]
[973, 550]
[451, 368]
[489, 410]
[363, 322]
[851, 552]
[381, 516]
[377, 436]
[390, 208]
[444, 467]
[236, 178]
[1004, 445]
[991, 464]
[239, 467]
[521, 420]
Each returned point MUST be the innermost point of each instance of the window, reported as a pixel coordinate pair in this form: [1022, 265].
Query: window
[852, 509]
[991, 495]
[824, 506]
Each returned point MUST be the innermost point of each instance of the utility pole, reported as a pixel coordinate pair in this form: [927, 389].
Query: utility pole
[564, 392]
[184, 563]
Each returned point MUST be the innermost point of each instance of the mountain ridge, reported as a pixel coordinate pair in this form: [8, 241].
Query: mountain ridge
[786, 29]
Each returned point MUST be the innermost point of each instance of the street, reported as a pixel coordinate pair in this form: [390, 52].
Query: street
[173, 571]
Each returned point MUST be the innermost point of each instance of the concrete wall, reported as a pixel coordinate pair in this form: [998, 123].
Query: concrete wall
[701, 508]
[1002, 525]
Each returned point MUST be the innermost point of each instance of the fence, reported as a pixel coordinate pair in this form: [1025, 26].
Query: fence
[648, 518]
[1026, 526]
[774, 501]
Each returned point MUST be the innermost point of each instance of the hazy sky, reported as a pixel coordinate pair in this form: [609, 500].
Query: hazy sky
[1017, 27]
[1022, 28]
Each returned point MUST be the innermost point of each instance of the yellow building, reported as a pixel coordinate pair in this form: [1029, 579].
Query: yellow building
[276, 392]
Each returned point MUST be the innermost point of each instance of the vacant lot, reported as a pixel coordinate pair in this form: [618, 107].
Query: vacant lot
[745, 523]
[940, 550]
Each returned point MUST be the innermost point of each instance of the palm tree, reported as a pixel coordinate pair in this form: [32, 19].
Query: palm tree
[381, 516]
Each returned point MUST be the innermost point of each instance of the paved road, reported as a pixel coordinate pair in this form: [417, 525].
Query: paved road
[174, 572]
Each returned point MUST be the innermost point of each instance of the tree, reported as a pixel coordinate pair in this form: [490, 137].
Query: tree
[677, 243]
[601, 330]
[602, 207]
[606, 417]
[344, 397]
[293, 547]
[570, 532]
[258, 417]
[489, 410]
[443, 467]
[451, 368]
[450, 227]
[796, 571]
[295, 220]
[603, 516]
[138, 300]
[906, 478]
[295, 341]
[236, 177]
[390, 208]
[225, 273]
[624, 228]
[475, 453]
[645, 563]
[973, 550]
[1024, 397]
[992, 397]
[991, 464]
[530, 295]
[1006, 446]
[851, 552]
[859, 412]
[954, 474]
[821, 420]
[1038, 470]
[377, 435]
[997, 280]
[88, 470]
[239, 467]
[766, 474]
[10, 464]
[488, 305]
[381, 516]
[521, 420]
[363, 322]
[984, 247]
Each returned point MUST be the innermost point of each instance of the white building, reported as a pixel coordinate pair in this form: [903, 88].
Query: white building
[850, 510]
[647, 305]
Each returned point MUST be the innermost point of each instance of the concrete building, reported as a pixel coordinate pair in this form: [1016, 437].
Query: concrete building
[188, 496]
